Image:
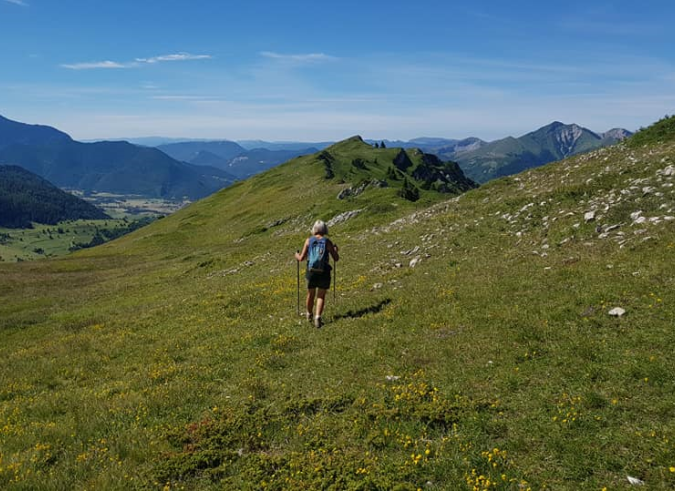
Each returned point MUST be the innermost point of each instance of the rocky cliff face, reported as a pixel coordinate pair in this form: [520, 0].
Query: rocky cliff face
[567, 137]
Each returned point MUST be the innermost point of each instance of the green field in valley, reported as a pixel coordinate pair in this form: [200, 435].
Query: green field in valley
[47, 241]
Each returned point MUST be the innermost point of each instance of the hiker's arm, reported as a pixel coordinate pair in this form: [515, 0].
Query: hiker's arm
[301, 256]
[333, 250]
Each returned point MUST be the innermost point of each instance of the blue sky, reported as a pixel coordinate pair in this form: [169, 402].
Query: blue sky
[313, 70]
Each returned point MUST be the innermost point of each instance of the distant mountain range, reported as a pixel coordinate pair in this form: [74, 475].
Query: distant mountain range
[245, 144]
[197, 168]
[232, 157]
[262, 144]
[115, 167]
[553, 142]
[26, 197]
[480, 160]
[187, 151]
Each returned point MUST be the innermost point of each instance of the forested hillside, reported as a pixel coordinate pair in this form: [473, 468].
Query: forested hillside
[27, 198]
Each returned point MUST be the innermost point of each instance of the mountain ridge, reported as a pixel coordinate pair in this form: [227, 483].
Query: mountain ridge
[531, 149]
[549, 143]
[13, 132]
[118, 167]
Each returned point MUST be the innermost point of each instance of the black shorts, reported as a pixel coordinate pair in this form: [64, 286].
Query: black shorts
[318, 280]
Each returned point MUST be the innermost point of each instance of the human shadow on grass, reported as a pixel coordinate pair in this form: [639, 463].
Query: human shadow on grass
[375, 308]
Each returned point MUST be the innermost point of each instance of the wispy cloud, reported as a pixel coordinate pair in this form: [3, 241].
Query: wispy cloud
[168, 97]
[298, 58]
[23, 3]
[138, 62]
[100, 64]
[174, 57]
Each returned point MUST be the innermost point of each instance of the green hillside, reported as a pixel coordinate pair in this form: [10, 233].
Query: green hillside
[660, 132]
[470, 347]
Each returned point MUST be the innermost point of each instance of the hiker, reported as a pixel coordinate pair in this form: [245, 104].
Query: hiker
[316, 250]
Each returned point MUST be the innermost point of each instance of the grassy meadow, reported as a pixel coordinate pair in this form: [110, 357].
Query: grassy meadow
[470, 345]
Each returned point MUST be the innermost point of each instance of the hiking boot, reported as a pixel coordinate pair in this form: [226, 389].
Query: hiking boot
[317, 322]
[308, 317]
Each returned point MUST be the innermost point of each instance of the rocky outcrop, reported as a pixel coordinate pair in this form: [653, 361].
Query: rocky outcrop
[351, 191]
[343, 217]
[402, 161]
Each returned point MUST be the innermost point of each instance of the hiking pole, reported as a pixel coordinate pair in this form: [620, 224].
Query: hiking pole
[334, 289]
[334, 281]
[298, 270]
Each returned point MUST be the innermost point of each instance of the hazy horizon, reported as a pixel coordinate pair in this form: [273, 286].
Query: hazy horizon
[365, 137]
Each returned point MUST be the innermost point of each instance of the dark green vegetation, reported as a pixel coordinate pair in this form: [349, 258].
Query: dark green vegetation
[26, 198]
[470, 347]
[357, 163]
[105, 234]
[513, 155]
[660, 132]
[116, 167]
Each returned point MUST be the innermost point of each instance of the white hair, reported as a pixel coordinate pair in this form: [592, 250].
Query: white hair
[320, 228]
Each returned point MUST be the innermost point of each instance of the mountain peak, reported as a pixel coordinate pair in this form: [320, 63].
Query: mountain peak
[616, 134]
[510, 155]
[349, 143]
[557, 126]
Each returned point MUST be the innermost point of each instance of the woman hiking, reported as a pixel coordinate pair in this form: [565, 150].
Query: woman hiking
[316, 250]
